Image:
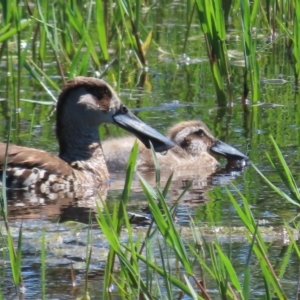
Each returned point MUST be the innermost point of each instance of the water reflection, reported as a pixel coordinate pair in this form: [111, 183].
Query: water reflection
[186, 85]
[30, 204]
[201, 181]
[25, 204]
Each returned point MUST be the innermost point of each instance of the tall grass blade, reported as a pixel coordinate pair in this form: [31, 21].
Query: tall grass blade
[118, 218]
[102, 28]
[286, 176]
[12, 32]
[166, 226]
[251, 64]
[156, 166]
[259, 248]
[276, 189]
[211, 18]
[229, 268]
[175, 281]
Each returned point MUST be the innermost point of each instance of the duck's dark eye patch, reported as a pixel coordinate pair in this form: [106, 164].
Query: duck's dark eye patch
[99, 92]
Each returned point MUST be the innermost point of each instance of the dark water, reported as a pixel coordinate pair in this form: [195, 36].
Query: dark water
[177, 86]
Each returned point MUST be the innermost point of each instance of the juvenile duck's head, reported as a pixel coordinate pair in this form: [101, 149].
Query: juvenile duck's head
[195, 138]
[84, 104]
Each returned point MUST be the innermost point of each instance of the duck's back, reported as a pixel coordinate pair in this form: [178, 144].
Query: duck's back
[117, 151]
[26, 166]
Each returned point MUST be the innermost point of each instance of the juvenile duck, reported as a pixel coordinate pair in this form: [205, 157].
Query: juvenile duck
[83, 105]
[194, 144]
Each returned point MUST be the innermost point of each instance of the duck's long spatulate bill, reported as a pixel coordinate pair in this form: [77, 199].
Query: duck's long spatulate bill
[228, 151]
[143, 131]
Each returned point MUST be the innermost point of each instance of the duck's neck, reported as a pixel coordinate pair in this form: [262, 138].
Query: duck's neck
[82, 150]
[79, 144]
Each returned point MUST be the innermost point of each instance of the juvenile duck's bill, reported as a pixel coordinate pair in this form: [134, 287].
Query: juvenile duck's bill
[142, 131]
[228, 151]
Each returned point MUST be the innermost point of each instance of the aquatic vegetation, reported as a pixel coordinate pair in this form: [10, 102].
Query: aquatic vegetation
[251, 60]
[126, 41]
[199, 264]
[285, 175]
[190, 256]
[212, 22]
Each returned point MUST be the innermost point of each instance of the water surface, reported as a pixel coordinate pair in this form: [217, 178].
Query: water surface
[176, 87]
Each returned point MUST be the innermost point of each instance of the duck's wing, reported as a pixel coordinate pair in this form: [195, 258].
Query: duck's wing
[29, 158]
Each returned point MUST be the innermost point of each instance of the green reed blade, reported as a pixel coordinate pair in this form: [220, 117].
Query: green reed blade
[76, 20]
[165, 223]
[211, 18]
[39, 79]
[115, 224]
[286, 257]
[286, 176]
[12, 32]
[19, 252]
[164, 257]
[229, 268]
[167, 185]
[129, 172]
[77, 62]
[175, 281]
[156, 166]
[116, 248]
[276, 189]
[12, 256]
[5, 29]
[43, 7]
[126, 11]
[246, 283]
[254, 11]
[251, 63]
[84, 65]
[259, 248]
[101, 25]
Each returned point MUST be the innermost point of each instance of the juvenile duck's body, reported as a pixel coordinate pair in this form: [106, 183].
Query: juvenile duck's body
[84, 104]
[194, 144]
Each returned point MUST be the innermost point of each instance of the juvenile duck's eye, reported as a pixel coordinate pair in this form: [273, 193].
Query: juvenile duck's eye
[124, 109]
[200, 133]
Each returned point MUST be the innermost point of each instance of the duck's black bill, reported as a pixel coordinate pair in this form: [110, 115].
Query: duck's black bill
[142, 131]
[229, 152]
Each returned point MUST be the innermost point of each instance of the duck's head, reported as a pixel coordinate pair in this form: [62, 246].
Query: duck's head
[87, 102]
[195, 138]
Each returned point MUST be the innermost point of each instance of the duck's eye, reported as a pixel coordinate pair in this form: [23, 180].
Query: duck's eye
[124, 109]
[185, 142]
